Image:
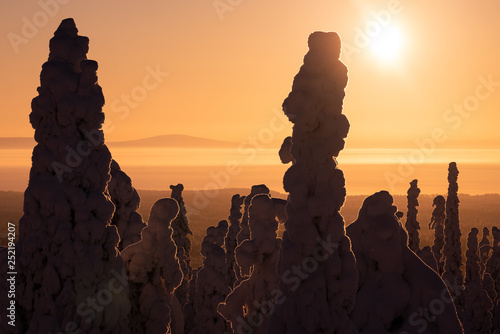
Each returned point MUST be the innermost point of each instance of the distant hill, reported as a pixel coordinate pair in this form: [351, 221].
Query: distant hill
[174, 141]
[171, 141]
[17, 143]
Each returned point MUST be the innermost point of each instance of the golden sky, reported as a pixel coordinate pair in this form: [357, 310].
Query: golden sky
[223, 67]
[228, 69]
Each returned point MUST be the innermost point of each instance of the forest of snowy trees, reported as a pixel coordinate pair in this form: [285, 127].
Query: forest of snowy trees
[87, 261]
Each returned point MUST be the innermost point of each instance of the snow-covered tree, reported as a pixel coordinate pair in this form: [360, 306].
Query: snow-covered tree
[230, 242]
[477, 315]
[484, 249]
[316, 262]
[70, 273]
[211, 282]
[452, 252]
[244, 232]
[180, 232]
[251, 303]
[397, 292]
[437, 223]
[412, 225]
[154, 271]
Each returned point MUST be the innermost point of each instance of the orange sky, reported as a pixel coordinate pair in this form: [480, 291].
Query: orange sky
[226, 76]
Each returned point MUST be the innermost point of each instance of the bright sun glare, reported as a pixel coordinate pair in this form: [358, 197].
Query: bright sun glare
[387, 45]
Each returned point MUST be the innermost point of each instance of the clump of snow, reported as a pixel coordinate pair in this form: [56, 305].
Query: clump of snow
[211, 282]
[484, 249]
[437, 223]
[69, 268]
[425, 254]
[284, 153]
[230, 242]
[154, 271]
[397, 292]
[489, 286]
[181, 230]
[452, 252]
[316, 262]
[126, 200]
[244, 232]
[412, 225]
[251, 303]
[477, 315]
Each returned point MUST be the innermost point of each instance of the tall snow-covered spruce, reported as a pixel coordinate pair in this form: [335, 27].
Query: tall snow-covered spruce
[412, 225]
[211, 283]
[484, 249]
[317, 266]
[452, 251]
[230, 241]
[437, 223]
[67, 248]
[180, 232]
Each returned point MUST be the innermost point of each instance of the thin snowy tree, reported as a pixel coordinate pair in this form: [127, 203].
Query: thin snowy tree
[484, 249]
[437, 223]
[181, 230]
[230, 241]
[412, 225]
[452, 251]
[211, 283]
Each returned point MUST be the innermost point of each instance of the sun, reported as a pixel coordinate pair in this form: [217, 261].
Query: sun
[387, 45]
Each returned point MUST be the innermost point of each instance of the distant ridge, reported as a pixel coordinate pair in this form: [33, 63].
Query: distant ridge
[17, 143]
[174, 141]
[171, 141]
